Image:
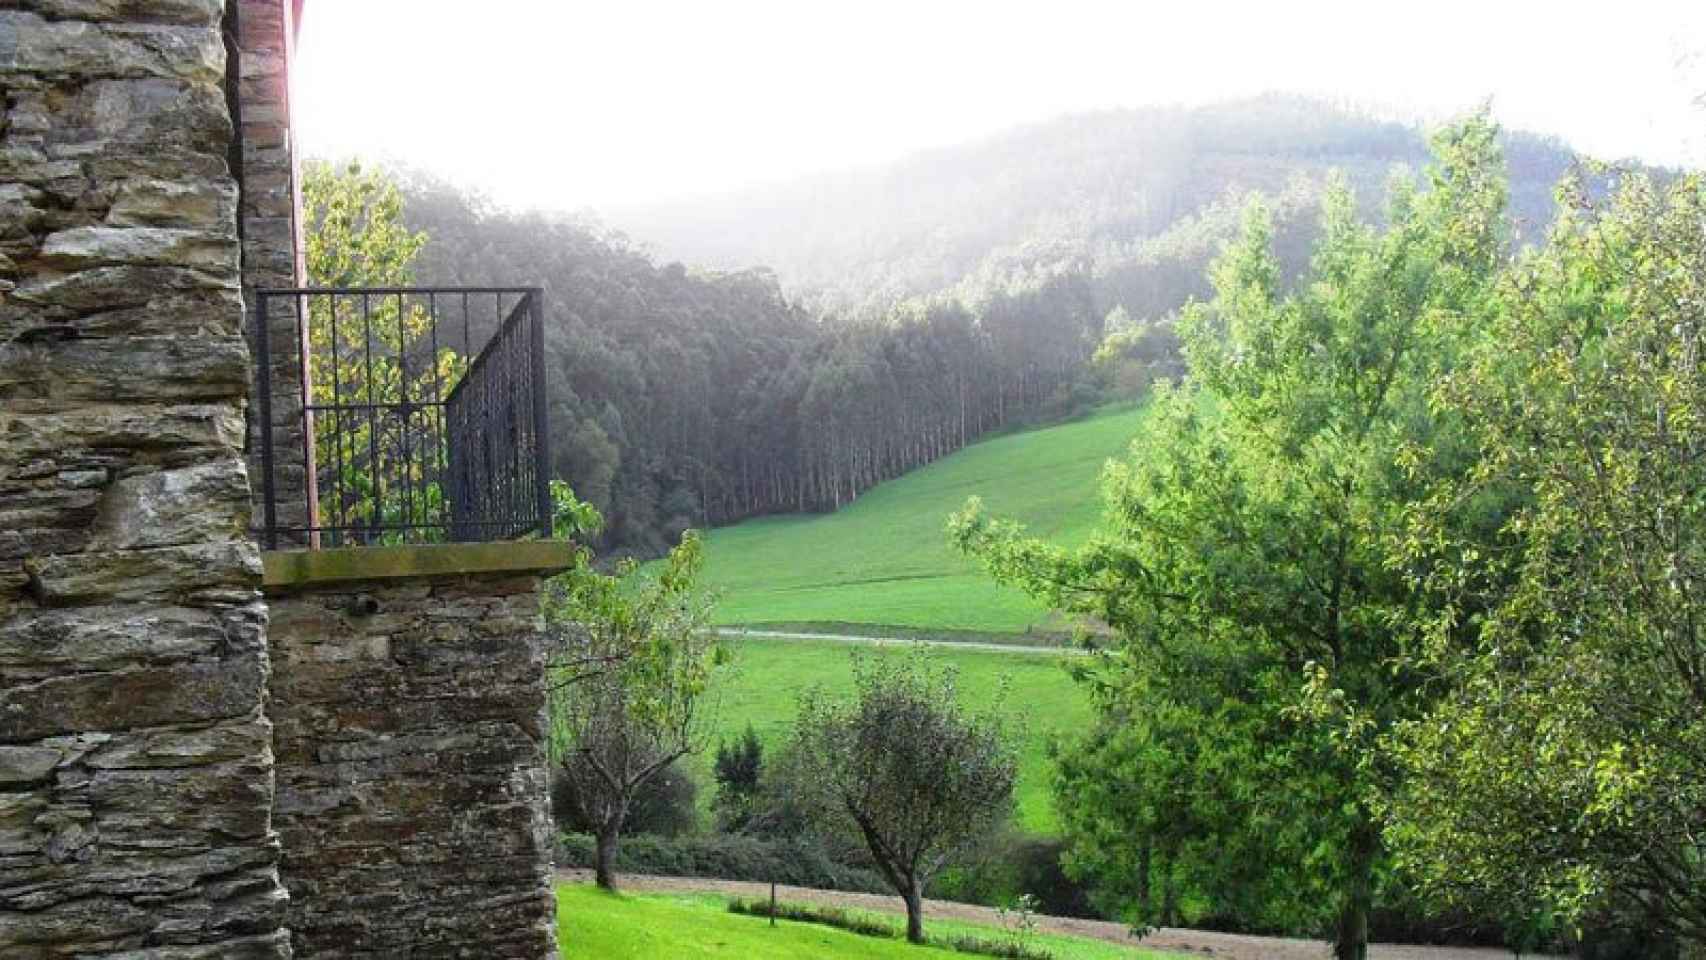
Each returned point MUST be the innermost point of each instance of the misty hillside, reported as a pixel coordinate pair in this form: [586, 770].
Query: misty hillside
[1112, 194]
[795, 362]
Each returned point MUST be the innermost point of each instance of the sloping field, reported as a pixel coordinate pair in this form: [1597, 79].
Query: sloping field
[884, 560]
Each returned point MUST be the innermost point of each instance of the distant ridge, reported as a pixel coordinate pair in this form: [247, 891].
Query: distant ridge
[1046, 197]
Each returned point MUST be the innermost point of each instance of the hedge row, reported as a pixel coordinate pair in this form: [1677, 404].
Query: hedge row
[865, 924]
[724, 857]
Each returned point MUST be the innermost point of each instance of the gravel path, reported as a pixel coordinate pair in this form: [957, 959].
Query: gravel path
[1201, 943]
[902, 641]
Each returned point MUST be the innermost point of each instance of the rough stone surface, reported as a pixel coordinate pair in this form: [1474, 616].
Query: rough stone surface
[136, 774]
[411, 772]
[269, 209]
[155, 743]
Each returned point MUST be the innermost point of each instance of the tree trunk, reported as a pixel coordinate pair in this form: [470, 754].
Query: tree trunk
[914, 912]
[1350, 940]
[1169, 891]
[604, 863]
[1144, 903]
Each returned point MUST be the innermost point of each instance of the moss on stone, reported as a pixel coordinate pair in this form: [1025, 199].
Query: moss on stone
[295, 568]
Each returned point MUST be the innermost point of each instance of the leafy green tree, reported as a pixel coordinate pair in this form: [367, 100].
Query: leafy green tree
[1565, 773]
[630, 671]
[1244, 556]
[918, 776]
[377, 353]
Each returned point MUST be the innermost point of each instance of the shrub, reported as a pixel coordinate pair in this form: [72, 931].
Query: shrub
[1015, 865]
[666, 804]
[738, 771]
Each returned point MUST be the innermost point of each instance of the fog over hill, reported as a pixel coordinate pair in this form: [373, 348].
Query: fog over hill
[1105, 191]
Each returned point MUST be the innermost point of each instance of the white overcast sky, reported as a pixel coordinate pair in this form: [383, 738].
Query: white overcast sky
[568, 104]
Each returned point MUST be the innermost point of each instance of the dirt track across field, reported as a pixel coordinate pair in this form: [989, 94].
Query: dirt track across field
[982, 646]
[1199, 943]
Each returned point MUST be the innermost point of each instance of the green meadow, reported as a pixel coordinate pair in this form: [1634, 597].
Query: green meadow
[884, 560]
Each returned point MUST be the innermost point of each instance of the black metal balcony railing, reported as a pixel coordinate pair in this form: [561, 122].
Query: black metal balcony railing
[383, 425]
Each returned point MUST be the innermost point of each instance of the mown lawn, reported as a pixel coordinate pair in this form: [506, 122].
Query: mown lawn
[885, 560]
[594, 925]
[763, 685]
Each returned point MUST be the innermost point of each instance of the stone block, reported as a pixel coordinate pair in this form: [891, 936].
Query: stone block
[160, 573]
[203, 12]
[196, 205]
[129, 368]
[101, 434]
[73, 48]
[197, 691]
[140, 246]
[208, 501]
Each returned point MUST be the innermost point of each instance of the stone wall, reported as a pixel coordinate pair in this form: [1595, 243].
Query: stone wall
[263, 37]
[411, 774]
[136, 783]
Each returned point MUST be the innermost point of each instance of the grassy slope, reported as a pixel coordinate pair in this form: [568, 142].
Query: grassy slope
[592, 924]
[763, 687]
[884, 559]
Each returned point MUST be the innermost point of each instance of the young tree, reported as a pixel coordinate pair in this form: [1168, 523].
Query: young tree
[632, 667]
[1244, 561]
[1566, 771]
[917, 775]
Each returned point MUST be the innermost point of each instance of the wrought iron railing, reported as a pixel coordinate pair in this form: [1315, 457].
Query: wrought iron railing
[395, 429]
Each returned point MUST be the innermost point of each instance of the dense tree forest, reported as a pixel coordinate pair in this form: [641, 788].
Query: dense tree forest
[916, 310]
[687, 399]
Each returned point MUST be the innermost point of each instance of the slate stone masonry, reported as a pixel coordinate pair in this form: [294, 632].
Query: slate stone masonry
[155, 742]
[409, 737]
[136, 780]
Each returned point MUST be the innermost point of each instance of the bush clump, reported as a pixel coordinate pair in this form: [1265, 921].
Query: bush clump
[665, 804]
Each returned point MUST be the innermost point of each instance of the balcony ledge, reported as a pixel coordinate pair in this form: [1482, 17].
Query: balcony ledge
[299, 568]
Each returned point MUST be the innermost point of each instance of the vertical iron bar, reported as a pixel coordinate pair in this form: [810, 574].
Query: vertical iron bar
[438, 440]
[500, 498]
[375, 479]
[541, 436]
[403, 413]
[337, 411]
[310, 469]
[263, 351]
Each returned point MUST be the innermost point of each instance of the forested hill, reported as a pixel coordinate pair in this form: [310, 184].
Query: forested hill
[910, 310]
[1107, 193]
[685, 399]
